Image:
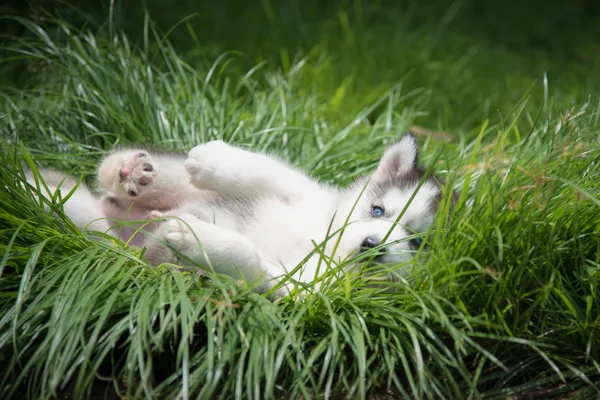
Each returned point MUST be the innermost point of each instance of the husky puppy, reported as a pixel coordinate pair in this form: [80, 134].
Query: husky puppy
[248, 214]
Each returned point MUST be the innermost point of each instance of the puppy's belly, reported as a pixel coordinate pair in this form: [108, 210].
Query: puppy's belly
[285, 233]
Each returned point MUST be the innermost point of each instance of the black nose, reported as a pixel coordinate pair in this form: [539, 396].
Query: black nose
[369, 243]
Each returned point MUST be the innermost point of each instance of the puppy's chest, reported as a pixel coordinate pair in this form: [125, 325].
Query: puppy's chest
[280, 227]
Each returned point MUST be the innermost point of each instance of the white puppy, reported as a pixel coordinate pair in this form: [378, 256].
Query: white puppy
[248, 214]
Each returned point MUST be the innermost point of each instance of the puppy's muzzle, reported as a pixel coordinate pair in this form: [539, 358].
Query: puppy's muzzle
[369, 243]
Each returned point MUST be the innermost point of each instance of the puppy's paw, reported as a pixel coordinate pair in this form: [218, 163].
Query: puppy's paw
[207, 162]
[155, 214]
[178, 234]
[137, 171]
[210, 150]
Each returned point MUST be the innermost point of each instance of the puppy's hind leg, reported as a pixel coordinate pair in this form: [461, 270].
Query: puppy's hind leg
[81, 206]
[151, 180]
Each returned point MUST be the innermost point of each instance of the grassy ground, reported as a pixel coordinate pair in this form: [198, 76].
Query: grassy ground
[506, 302]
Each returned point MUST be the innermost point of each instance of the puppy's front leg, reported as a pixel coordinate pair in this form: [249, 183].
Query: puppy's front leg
[232, 171]
[226, 251]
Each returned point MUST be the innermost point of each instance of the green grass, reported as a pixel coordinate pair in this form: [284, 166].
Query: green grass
[505, 303]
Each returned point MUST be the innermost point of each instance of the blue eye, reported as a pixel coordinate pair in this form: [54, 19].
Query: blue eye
[416, 242]
[377, 211]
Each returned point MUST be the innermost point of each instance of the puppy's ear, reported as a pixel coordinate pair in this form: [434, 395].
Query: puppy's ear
[399, 159]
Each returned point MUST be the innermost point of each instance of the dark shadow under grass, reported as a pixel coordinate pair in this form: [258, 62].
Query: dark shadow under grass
[503, 304]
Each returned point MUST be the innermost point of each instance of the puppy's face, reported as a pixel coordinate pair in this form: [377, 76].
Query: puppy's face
[384, 216]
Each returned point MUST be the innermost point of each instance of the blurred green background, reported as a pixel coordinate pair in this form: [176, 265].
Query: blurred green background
[259, 27]
[476, 59]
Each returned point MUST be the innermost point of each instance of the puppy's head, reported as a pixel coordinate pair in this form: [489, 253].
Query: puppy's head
[384, 216]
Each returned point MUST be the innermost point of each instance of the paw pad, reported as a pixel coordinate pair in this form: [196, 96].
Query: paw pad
[137, 170]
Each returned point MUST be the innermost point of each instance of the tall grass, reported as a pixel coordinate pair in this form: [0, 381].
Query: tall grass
[504, 303]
